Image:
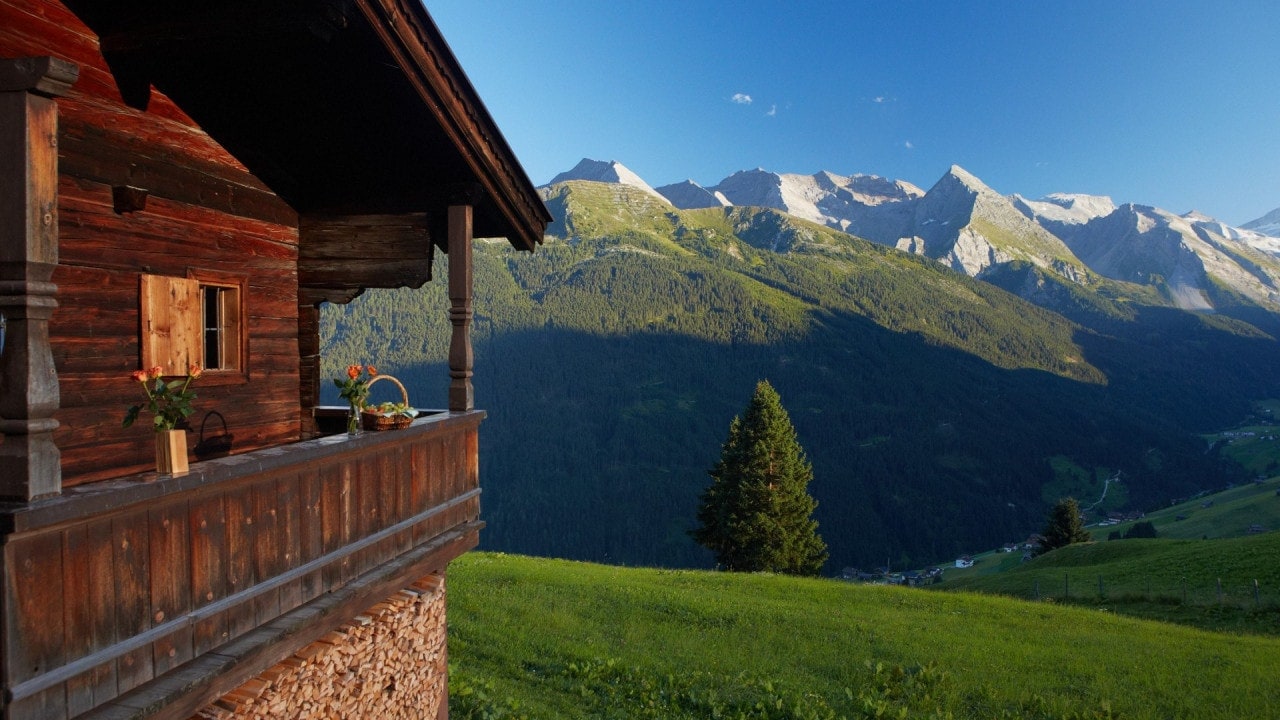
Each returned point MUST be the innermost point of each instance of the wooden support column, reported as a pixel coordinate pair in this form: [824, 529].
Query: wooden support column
[308, 363]
[28, 255]
[461, 359]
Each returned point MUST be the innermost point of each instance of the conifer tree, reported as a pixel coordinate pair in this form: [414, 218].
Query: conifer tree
[757, 513]
[1142, 529]
[1065, 526]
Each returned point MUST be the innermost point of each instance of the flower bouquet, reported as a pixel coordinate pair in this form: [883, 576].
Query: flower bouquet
[170, 402]
[355, 390]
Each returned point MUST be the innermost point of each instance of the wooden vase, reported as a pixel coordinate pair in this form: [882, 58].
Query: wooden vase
[171, 452]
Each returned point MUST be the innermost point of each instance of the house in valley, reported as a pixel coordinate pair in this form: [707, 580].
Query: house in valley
[186, 183]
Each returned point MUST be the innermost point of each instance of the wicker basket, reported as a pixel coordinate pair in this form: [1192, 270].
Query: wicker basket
[374, 421]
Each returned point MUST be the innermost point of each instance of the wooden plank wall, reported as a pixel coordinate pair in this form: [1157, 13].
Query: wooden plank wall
[203, 211]
[100, 603]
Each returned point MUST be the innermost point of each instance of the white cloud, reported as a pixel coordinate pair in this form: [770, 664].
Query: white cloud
[773, 110]
[741, 98]
[908, 145]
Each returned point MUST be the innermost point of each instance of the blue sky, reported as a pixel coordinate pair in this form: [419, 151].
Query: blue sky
[1173, 104]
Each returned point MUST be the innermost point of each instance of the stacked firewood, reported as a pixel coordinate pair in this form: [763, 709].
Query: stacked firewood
[387, 663]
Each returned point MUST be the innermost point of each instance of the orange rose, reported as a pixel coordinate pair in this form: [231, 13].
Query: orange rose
[353, 371]
[155, 372]
[139, 375]
[195, 371]
[373, 371]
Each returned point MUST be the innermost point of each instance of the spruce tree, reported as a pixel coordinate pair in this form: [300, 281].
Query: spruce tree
[757, 513]
[1064, 527]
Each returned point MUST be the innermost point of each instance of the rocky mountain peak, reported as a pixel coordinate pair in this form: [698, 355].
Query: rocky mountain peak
[957, 174]
[611, 171]
[1268, 224]
[757, 187]
[689, 195]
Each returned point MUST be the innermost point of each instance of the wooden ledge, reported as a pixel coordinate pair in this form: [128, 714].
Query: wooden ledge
[107, 496]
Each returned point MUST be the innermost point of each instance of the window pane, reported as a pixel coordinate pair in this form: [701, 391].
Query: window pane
[213, 327]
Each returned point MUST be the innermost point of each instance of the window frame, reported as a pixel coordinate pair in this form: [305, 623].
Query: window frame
[192, 325]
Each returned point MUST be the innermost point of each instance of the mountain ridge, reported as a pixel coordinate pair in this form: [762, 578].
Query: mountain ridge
[1191, 261]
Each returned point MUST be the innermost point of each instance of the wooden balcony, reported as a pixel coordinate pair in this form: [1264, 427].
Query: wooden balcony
[152, 595]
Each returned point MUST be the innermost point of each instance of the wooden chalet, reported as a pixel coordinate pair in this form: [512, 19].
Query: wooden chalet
[227, 166]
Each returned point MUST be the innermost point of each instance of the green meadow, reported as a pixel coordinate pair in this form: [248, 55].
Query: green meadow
[1230, 584]
[1254, 443]
[1227, 514]
[1212, 566]
[539, 638]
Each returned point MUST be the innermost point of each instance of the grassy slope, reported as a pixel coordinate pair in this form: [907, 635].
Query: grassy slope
[564, 639]
[1201, 571]
[1133, 564]
[1255, 443]
[1228, 514]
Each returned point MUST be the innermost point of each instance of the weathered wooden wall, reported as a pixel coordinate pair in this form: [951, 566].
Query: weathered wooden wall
[203, 211]
[111, 587]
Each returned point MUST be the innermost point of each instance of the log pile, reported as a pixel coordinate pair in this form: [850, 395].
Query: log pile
[387, 663]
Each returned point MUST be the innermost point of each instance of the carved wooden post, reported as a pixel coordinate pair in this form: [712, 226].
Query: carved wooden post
[461, 359]
[28, 254]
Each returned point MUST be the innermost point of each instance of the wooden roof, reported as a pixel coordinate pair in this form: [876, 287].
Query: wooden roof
[342, 107]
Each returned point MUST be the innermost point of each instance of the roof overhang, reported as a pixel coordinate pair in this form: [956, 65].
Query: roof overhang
[342, 107]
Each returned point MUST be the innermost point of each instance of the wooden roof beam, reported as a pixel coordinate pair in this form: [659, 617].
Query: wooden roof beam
[341, 256]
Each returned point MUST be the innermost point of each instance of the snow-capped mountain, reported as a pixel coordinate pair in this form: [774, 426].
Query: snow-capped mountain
[825, 198]
[1268, 225]
[1186, 256]
[606, 172]
[960, 222]
[1064, 210]
[969, 227]
[1195, 262]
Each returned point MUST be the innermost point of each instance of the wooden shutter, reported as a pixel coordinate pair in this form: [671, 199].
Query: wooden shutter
[171, 323]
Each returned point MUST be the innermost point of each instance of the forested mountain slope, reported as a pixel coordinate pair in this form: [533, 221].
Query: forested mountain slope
[941, 413]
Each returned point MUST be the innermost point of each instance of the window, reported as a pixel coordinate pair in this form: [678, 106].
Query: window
[193, 320]
[221, 312]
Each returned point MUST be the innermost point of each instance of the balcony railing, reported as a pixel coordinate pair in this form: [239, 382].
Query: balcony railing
[138, 594]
